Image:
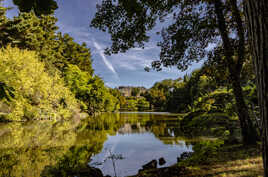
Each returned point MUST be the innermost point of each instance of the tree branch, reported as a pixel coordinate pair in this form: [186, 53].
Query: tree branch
[228, 50]
[241, 35]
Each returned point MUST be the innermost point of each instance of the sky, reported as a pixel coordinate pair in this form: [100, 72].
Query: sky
[124, 69]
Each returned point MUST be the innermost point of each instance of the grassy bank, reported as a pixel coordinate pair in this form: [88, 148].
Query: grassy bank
[222, 155]
[229, 161]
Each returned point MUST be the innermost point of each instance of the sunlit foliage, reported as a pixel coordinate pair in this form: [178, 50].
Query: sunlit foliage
[35, 93]
[60, 54]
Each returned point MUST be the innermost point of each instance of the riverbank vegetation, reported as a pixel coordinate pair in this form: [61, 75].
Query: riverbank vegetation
[221, 97]
[232, 160]
[206, 108]
[46, 74]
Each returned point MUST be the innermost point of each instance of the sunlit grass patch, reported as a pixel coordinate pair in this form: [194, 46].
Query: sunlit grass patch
[234, 165]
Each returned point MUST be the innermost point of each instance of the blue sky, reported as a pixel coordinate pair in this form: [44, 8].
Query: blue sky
[125, 69]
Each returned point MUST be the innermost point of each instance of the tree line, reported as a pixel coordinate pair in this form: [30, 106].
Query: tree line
[233, 27]
[237, 29]
[45, 73]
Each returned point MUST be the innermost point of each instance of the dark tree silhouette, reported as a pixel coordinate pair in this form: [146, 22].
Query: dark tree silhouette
[257, 17]
[194, 27]
[38, 6]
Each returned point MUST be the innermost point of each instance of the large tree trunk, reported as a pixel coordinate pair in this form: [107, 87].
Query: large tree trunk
[257, 17]
[248, 131]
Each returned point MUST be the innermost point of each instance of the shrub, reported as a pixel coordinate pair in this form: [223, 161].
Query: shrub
[35, 92]
[204, 152]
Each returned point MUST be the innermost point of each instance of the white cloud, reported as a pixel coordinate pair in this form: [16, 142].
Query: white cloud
[106, 62]
[134, 60]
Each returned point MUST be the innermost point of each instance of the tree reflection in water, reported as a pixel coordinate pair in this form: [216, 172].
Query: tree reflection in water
[44, 148]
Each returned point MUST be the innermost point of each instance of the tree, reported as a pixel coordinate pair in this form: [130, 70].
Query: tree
[40, 7]
[135, 91]
[74, 53]
[257, 22]
[30, 92]
[143, 104]
[89, 90]
[196, 26]
[61, 56]
[27, 31]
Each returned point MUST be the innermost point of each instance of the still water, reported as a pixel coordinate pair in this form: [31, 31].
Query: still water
[45, 148]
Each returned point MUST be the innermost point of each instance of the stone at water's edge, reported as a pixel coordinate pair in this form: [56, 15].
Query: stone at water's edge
[90, 171]
[150, 165]
[184, 156]
[174, 171]
[161, 161]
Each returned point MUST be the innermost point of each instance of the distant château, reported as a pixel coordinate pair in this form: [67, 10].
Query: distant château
[128, 91]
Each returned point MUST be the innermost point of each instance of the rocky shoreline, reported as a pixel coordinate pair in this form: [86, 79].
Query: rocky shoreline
[150, 169]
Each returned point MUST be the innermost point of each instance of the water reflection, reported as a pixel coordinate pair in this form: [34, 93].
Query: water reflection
[141, 138]
[64, 148]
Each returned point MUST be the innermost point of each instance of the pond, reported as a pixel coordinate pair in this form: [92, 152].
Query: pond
[44, 148]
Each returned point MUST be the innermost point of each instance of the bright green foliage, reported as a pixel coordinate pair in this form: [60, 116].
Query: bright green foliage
[218, 100]
[181, 94]
[132, 105]
[121, 100]
[27, 31]
[60, 54]
[143, 105]
[38, 6]
[101, 99]
[136, 104]
[178, 95]
[157, 98]
[90, 91]
[35, 92]
[77, 81]
[204, 152]
[159, 94]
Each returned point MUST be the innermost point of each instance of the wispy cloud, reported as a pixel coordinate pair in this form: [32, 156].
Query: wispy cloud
[135, 59]
[106, 62]
[130, 65]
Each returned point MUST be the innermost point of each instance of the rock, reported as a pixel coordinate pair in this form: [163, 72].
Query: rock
[150, 165]
[184, 156]
[178, 159]
[90, 171]
[161, 161]
[163, 172]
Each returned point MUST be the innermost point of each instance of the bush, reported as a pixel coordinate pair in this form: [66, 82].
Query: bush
[204, 152]
[90, 90]
[35, 92]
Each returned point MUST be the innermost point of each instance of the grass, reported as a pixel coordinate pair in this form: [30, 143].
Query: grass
[232, 161]
[250, 167]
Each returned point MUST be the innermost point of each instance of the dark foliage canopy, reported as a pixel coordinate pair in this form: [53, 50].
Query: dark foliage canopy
[40, 7]
[187, 38]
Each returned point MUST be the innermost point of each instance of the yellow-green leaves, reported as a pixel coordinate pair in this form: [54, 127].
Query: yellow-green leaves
[37, 94]
[90, 90]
